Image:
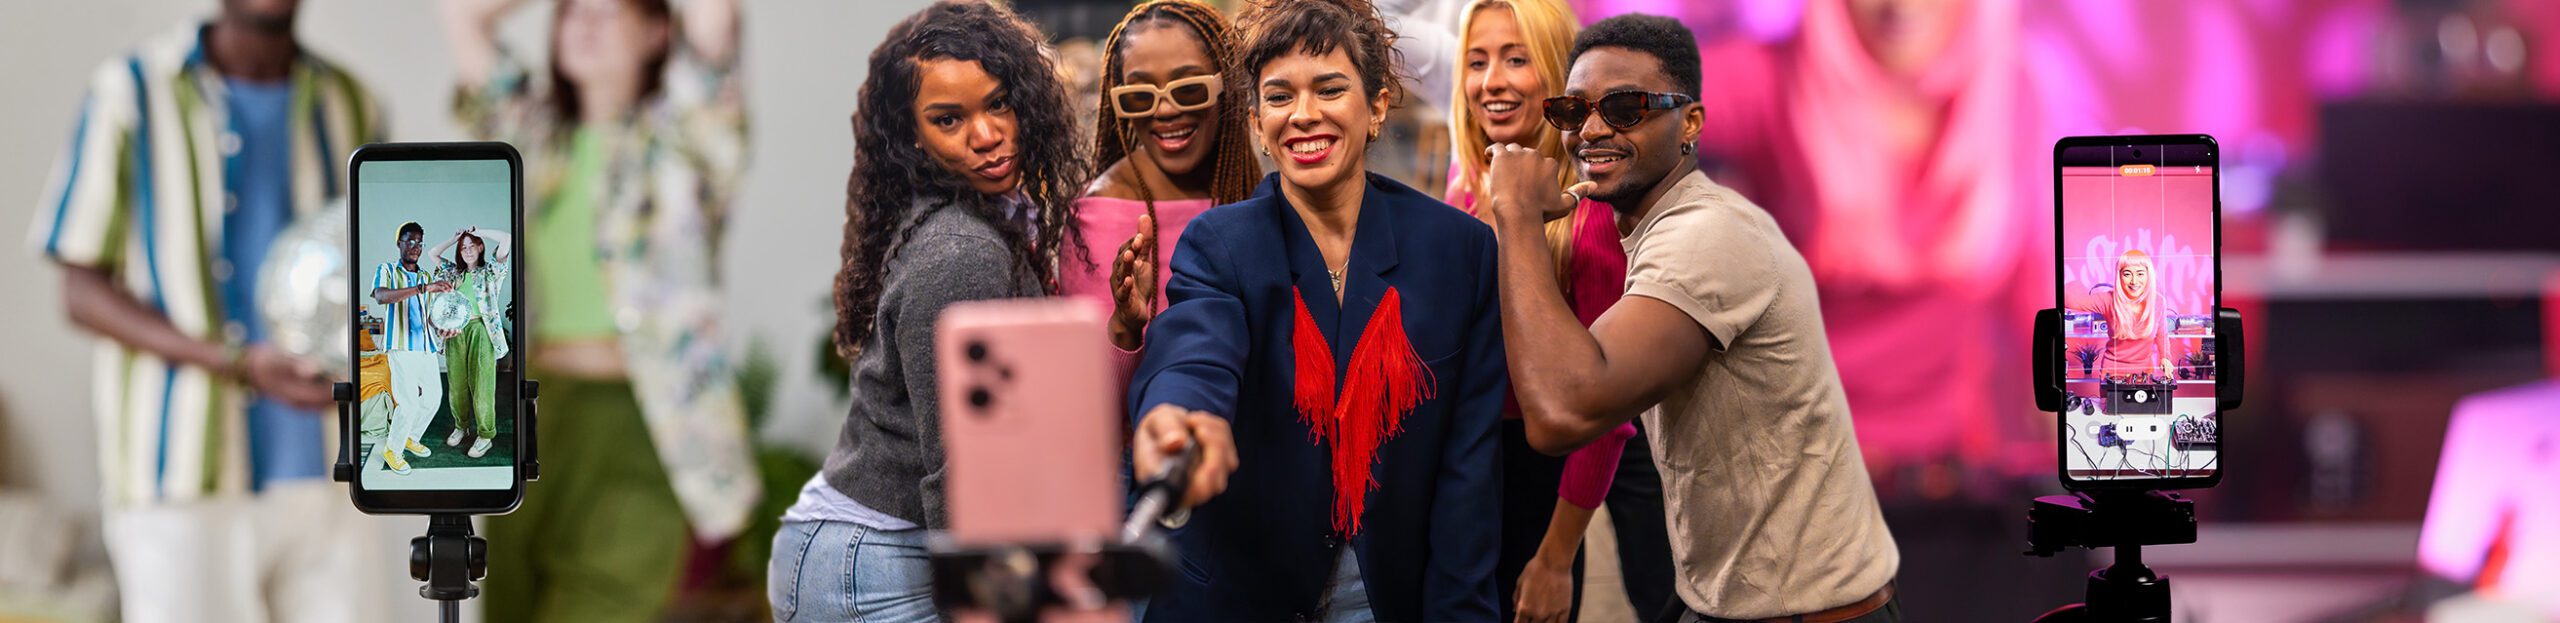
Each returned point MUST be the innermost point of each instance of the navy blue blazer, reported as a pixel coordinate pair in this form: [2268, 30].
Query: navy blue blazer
[1265, 550]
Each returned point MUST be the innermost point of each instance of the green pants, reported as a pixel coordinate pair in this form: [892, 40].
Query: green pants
[600, 537]
[471, 380]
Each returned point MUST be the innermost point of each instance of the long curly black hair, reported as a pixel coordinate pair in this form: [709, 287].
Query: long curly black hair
[891, 173]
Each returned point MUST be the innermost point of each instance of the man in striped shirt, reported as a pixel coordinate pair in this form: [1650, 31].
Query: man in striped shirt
[191, 155]
[416, 389]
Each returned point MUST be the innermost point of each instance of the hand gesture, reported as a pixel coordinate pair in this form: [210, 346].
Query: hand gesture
[1133, 287]
[1169, 430]
[1521, 186]
[294, 381]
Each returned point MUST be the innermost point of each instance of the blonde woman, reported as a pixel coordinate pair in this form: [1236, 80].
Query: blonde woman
[1511, 59]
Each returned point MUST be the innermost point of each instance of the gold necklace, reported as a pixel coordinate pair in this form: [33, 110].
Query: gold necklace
[1337, 280]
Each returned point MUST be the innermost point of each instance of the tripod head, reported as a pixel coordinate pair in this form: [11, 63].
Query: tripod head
[448, 558]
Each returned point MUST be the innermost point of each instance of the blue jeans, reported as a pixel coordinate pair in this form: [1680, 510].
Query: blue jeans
[1346, 597]
[840, 571]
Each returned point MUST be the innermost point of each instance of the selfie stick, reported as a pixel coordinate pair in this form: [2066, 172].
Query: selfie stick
[2124, 519]
[449, 558]
[1013, 582]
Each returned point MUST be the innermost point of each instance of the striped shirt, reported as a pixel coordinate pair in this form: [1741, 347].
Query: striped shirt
[406, 328]
[141, 193]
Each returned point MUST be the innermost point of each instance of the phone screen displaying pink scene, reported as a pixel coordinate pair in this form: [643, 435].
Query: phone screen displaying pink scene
[2139, 298]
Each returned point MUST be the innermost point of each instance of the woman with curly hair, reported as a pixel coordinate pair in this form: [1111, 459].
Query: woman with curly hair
[1331, 347]
[965, 167]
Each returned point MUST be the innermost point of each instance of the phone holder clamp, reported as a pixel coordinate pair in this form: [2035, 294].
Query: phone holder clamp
[2125, 519]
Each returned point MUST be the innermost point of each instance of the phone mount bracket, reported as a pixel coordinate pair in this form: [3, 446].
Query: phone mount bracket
[449, 558]
[2125, 519]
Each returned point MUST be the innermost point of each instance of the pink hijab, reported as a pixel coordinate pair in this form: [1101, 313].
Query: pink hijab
[1897, 220]
[2136, 317]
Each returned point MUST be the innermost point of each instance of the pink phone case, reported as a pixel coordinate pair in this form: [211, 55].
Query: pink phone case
[1030, 422]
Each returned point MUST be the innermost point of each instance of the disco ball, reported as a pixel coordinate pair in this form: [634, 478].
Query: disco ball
[303, 293]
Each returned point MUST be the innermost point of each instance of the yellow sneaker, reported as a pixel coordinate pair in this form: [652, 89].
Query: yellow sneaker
[391, 459]
[419, 450]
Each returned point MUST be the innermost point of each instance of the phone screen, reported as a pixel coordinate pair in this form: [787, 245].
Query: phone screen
[2138, 293]
[436, 283]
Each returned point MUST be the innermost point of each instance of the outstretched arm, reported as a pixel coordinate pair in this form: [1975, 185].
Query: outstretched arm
[471, 34]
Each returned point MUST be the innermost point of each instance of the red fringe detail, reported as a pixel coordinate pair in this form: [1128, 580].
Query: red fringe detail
[1313, 393]
[1385, 380]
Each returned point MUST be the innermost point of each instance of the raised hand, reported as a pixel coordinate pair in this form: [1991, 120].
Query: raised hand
[1521, 186]
[1133, 287]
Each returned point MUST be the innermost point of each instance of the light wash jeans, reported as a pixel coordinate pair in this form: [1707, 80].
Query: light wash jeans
[832, 571]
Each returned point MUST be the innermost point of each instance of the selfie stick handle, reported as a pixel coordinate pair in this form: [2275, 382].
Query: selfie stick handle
[1159, 493]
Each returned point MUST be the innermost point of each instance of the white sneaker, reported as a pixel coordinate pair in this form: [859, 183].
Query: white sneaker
[453, 440]
[391, 459]
[479, 448]
[413, 448]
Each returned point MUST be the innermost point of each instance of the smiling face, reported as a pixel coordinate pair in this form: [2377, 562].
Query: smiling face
[1501, 83]
[468, 251]
[2135, 278]
[964, 121]
[1159, 52]
[1311, 114]
[1627, 164]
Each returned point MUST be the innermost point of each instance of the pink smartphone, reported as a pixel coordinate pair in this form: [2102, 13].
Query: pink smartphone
[1029, 422]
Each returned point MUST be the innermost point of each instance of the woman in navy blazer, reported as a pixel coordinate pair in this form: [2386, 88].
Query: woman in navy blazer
[1331, 345]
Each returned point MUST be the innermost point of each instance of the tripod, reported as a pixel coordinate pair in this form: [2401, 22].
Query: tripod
[449, 558]
[2126, 519]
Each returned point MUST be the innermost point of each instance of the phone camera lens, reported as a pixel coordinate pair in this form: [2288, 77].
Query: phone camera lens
[979, 397]
[977, 351]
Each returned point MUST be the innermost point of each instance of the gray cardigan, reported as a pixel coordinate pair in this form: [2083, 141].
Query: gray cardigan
[889, 456]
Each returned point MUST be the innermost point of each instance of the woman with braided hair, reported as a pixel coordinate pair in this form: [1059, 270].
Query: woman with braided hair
[1169, 142]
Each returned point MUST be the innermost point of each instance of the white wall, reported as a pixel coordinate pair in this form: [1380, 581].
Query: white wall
[804, 60]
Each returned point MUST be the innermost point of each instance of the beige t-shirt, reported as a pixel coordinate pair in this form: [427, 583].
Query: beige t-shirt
[1769, 506]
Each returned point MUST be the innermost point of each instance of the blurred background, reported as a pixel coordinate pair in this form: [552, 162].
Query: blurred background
[2391, 229]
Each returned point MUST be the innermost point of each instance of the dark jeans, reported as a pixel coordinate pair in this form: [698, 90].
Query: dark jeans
[1890, 613]
[1644, 536]
[1529, 481]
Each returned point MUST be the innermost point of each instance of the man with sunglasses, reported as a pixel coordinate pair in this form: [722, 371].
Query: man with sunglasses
[1718, 344]
[412, 347]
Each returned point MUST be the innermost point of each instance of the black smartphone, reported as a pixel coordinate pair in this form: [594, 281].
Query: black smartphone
[2138, 242]
[438, 286]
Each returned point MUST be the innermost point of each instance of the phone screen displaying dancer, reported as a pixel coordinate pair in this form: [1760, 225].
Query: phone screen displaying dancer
[437, 326]
[2138, 290]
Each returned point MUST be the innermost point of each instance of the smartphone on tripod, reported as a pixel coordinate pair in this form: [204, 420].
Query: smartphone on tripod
[2138, 241]
[433, 232]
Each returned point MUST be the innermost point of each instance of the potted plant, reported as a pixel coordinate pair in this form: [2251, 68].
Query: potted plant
[2196, 366]
[2087, 355]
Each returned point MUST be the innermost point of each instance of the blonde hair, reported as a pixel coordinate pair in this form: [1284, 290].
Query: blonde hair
[1547, 28]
